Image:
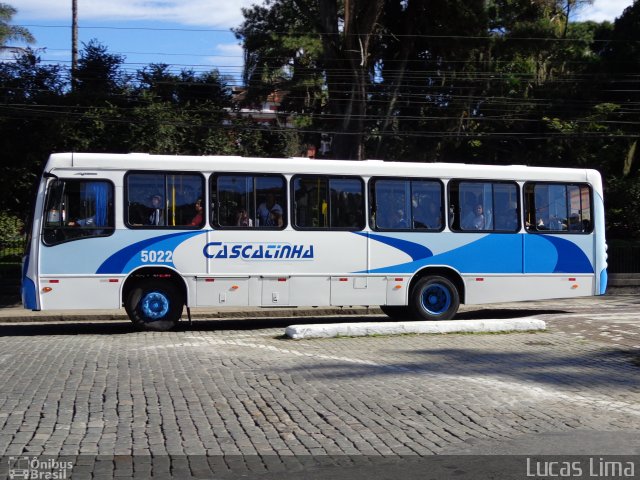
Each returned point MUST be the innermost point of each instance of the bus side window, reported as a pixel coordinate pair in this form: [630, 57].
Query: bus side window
[557, 208]
[241, 200]
[325, 202]
[484, 206]
[163, 199]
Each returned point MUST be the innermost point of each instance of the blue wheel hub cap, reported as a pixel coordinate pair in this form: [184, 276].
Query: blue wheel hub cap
[436, 299]
[154, 305]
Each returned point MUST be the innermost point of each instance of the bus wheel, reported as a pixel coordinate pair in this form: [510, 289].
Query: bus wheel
[397, 312]
[435, 298]
[154, 305]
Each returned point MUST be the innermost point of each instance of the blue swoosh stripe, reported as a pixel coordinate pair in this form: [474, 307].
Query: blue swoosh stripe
[414, 250]
[117, 262]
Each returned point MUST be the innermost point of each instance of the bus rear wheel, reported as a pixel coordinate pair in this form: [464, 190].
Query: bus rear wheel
[434, 298]
[154, 305]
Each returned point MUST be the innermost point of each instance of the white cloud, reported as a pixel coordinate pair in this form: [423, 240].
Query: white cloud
[205, 13]
[604, 10]
[234, 49]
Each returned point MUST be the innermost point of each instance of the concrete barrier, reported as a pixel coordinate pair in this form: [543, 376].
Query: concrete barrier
[298, 332]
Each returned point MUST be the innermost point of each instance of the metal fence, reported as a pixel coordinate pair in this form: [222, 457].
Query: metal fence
[624, 259]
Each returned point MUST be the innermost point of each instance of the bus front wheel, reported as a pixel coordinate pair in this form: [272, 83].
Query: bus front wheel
[154, 305]
[434, 298]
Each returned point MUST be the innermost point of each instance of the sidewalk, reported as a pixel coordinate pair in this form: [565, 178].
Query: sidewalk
[15, 313]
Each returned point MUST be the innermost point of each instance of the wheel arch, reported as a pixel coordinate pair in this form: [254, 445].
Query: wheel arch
[164, 273]
[448, 272]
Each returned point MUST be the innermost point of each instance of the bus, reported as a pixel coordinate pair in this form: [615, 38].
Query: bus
[160, 234]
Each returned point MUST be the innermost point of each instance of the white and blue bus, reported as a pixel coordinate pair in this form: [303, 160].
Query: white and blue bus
[155, 234]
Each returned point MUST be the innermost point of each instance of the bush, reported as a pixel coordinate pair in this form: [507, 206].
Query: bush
[11, 238]
[11, 230]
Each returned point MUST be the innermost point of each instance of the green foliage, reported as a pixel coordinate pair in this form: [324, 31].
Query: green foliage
[11, 229]
[12, 32]
[623, 201]
[497, 81]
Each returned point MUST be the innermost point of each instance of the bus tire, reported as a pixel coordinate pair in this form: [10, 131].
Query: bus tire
[397, 312]
[154, 305]
[434, 298]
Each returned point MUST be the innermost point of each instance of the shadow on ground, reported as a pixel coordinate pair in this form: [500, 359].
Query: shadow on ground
[123, 327]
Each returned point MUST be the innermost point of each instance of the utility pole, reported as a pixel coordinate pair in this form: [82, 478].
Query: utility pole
[74, 41]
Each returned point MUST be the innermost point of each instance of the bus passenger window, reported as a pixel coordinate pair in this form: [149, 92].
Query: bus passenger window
[484, 206]
[558, 208]
[164, 200]
[322, 202]
[248, 201]
[406, 204]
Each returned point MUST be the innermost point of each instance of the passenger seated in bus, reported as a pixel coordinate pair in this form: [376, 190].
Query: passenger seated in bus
[83, 222]
[474, 220]
[196, 221]
[157, 213]
[556, 224]
[574, 224]
[242, 219]
[398, 220]
[507, 220]
[264, 209]
[430, 217]
[275, 217]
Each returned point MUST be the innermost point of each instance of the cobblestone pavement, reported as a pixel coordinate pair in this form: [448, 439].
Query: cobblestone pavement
[238, 393]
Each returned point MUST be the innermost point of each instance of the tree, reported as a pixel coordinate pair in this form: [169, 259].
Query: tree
[283, 51]
[99, 74]
[294, 44]
[30, 93]
[12, 32]
[348, 65]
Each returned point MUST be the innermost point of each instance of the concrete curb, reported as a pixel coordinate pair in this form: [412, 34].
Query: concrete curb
[298, 332]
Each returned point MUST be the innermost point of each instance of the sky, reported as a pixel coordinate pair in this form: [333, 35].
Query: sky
[192, 34]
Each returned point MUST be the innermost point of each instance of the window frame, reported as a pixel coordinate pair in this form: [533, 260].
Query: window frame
[165, 173]
[110, 230]
[454, 225]
[535, 230]
[213, 187]
[410, 228]
[328, 178]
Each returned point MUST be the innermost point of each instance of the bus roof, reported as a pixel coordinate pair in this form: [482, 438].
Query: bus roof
[143, 161]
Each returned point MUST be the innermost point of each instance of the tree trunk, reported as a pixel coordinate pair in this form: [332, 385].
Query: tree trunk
[346, 59]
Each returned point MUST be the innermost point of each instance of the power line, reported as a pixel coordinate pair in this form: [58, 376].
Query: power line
[373, 34]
